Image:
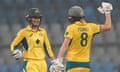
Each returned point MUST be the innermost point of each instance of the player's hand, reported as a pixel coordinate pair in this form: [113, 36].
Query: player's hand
[57, 66]
[106, 8]
[17, 54]
[57, 60]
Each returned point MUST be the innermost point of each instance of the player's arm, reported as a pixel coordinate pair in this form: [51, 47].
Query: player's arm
[67, 39]
[16, 40]
[48, 48]
[64, 47]
[57, 65]
[16, 52]
[107, 26]
[58, 62]
[106, 9]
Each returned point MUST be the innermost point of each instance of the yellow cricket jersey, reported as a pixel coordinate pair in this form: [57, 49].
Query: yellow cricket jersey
[81, 35]
[34, 43]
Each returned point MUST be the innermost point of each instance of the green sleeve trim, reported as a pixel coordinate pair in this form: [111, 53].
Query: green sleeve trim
[46, 52]
[24, 65]
[25, 44]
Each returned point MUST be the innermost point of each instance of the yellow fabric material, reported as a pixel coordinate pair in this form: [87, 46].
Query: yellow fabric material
[78, 70]
[36, 66]
[35, 41]
[81, 35]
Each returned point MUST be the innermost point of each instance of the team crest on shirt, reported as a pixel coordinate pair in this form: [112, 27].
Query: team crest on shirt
[37, 41]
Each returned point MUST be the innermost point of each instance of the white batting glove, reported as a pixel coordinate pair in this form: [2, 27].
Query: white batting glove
[106, 8]
[57, 66]
[17, 54]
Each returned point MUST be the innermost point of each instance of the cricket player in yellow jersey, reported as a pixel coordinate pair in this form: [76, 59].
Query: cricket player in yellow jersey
[78, 37]
[35, 43]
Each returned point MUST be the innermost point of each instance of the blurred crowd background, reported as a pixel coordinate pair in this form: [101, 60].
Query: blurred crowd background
[105, 55]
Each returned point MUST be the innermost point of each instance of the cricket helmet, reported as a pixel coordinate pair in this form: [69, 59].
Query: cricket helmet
[33, 12]
[76, 11]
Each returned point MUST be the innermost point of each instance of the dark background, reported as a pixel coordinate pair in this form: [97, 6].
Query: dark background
[105, 56]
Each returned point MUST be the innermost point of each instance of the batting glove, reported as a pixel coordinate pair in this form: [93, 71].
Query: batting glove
[57, 66]
[17, 54]
[106, 8]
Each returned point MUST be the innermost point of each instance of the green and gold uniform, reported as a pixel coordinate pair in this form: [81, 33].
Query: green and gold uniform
[34, 46]
[78, 53]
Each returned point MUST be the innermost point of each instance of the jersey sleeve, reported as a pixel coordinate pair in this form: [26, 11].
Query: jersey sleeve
[47, 46]
[17, 40]
[68, 33]
[95, 28]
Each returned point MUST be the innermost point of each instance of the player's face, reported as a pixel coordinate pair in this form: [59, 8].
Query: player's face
[36, 21]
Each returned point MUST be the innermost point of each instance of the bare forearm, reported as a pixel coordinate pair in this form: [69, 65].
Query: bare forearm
[64, 47]
[107, 25]
[108, 21]
[62, 51]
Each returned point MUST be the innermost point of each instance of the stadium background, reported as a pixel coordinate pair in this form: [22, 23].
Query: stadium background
[105, 56]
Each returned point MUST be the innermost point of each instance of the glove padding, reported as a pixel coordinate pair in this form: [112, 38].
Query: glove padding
[17, 54]
[57, 66]
[106, 8]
